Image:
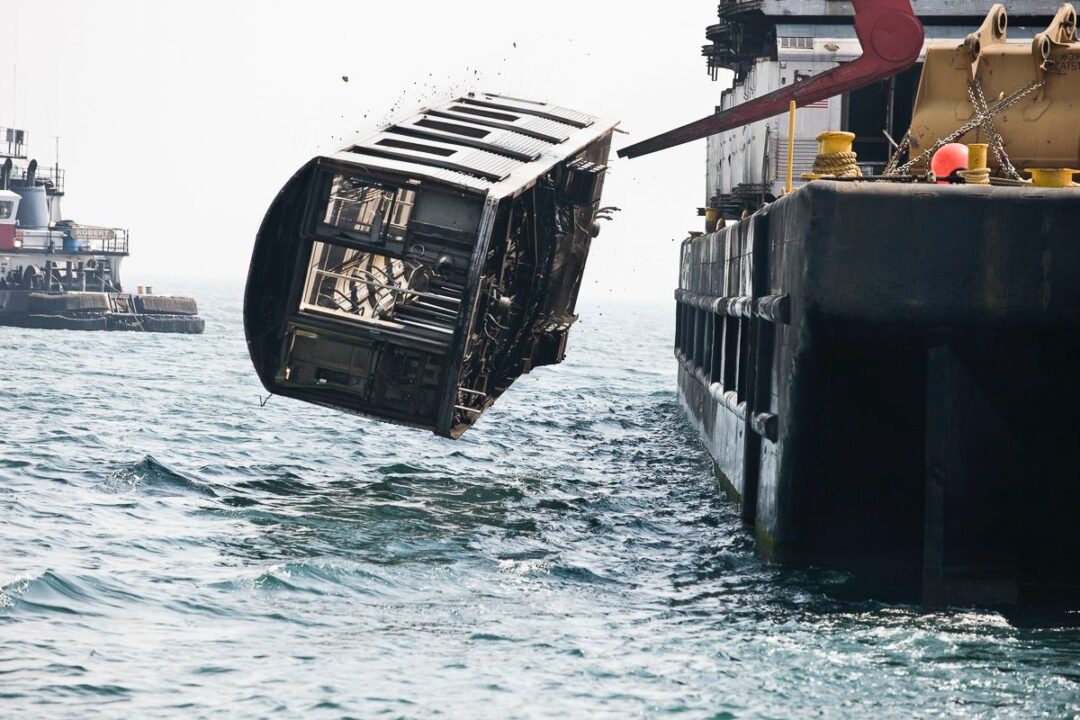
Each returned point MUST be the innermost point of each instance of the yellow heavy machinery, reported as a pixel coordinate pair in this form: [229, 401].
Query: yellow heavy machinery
[1021, 98]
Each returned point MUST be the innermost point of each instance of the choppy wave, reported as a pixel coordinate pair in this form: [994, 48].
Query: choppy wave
[149, 475]
[172, 548]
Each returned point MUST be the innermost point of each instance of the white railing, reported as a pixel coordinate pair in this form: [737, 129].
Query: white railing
[51, 175]
[88, 239]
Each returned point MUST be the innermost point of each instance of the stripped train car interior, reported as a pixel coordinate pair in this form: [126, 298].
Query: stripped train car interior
[412, 276]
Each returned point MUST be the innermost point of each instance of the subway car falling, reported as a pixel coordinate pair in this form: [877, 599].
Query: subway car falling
[413, 276]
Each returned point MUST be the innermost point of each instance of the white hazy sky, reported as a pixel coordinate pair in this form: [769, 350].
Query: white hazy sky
[181, 121]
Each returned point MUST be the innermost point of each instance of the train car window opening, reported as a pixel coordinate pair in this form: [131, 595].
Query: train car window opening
[357, 285]
[5, 209]
[374, 212]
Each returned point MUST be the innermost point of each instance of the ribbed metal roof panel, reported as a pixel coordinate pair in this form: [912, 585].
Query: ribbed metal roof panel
[521, 143]
[540, 128]
[473, 135]
[547, 127]
[439, 153]
[413, 169]
[479, 141]
[484, 162]
[531, 107]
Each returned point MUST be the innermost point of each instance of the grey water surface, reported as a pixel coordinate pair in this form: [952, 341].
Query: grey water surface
[170, 548]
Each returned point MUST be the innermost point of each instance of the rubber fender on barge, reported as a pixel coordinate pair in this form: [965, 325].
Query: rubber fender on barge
[187, 324]
[165, 305]
[100, 311]
[49, 304]
[63, 322]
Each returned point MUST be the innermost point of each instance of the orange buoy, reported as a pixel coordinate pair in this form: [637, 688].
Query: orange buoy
[948, 159]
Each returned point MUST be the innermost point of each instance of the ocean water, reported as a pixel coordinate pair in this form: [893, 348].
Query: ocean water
[169, 547]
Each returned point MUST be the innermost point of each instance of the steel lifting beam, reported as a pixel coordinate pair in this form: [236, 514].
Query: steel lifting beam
[892, 40]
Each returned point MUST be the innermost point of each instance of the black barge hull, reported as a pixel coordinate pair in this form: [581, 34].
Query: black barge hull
[99, 311]
[886, 380]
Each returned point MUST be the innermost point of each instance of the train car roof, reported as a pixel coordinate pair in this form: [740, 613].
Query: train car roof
[481, 142]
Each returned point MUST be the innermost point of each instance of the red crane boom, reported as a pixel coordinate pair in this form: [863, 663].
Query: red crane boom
[892, 37]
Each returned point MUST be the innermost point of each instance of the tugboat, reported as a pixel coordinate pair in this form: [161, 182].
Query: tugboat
[59, 274]
[877, 345]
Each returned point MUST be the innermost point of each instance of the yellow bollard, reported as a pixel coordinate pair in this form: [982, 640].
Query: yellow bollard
[831, 142]
[977, 155]
[1052, 177]
[978, 172]
[712, 218]
[836, 156]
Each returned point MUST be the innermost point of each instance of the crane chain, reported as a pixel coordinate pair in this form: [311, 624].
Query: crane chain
[983, 118]
[997, 143]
